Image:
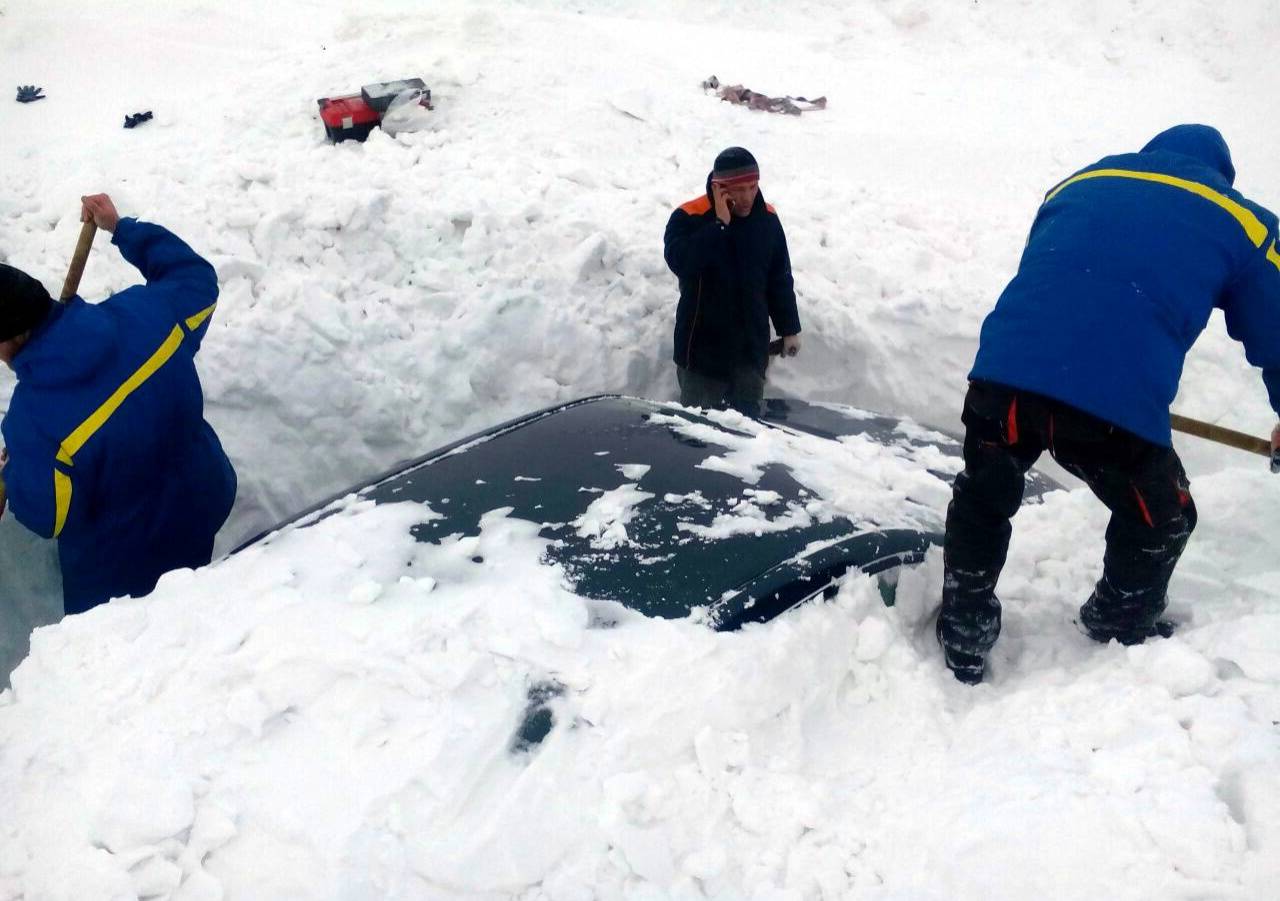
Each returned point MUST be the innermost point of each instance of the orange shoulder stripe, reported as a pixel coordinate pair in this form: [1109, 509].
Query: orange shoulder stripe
[697, 206]
[769, 207]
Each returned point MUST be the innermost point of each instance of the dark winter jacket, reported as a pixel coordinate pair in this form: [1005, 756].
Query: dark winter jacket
[108, 448]
[1125, 262]
[734, 279]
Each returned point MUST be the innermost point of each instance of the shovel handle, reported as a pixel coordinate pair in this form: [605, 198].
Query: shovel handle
[78, 259]
[1229, 437]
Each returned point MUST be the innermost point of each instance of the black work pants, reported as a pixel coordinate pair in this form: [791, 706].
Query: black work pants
[743, 390]
[1142, 484]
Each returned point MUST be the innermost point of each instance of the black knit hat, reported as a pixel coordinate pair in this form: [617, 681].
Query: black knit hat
[24, 303]
[735, 164]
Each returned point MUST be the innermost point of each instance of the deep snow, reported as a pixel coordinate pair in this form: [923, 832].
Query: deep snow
[307, 720]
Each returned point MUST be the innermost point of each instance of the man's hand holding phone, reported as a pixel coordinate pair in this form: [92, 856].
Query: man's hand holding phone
[724, 206]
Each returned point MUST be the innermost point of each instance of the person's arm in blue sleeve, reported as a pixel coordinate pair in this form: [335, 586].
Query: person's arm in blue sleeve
[161, 256]
[166, 260]
[29, 488]
[1251, 305]
[782, 290]
[185, 280]
[691, 242]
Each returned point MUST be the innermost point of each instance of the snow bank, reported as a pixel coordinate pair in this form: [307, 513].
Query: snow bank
[326, 716]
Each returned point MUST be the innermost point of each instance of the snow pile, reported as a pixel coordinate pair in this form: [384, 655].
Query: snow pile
[332, 717]
[326, 716]
[900, 484]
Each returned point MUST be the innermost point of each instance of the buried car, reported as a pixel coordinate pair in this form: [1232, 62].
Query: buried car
[676, 512]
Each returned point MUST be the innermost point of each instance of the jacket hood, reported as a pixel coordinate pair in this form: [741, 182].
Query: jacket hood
[67, 348]
[1200, 142]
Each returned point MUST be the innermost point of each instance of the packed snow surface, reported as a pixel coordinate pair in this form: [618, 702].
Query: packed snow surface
[330, 714]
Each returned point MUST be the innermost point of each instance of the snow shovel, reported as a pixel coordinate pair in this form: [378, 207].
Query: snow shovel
[78, 259]
[1229, 437]
[69, 287]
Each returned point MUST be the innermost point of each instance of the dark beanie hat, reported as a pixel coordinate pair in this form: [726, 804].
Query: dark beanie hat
[735, 164]
[24, 303]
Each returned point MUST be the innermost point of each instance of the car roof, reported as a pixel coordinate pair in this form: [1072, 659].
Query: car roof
[640, 507]
[667, 559]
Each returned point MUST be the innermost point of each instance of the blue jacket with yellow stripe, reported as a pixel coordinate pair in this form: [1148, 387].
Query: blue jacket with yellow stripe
[109, 451]
[1124, 265]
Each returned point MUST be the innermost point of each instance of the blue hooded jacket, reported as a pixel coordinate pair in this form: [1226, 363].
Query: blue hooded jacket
[1125, 262]
[109, 451]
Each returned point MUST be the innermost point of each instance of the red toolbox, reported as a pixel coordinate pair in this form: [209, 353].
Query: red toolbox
[348, 117]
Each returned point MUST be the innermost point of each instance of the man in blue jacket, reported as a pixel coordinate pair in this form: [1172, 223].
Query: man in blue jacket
[107, 448]
[1082, 356]
[729, 252]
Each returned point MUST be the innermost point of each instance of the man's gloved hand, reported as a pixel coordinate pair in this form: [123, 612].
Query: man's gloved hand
[1275, 449]
[790, 345]
[29, 92]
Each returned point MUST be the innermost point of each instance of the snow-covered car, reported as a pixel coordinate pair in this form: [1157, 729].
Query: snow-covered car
[675, 512]
[667, 511]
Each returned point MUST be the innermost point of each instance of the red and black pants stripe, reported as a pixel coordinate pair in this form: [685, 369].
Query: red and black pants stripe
[1142, 484]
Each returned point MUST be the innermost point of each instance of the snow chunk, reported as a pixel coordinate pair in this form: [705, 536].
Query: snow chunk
[874, 638]
[1174, 665]
[605, 520]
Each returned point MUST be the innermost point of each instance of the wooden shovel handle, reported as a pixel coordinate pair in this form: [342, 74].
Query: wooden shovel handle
[1229, 437]
[78, 259]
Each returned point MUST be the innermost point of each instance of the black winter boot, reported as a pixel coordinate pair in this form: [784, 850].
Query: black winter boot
[1128, 632]
[1129, 621]
[966, 666]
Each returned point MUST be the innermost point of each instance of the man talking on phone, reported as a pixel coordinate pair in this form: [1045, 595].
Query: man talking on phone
[729, 252]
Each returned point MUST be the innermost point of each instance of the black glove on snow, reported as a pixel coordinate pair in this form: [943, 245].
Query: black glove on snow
[29, 92]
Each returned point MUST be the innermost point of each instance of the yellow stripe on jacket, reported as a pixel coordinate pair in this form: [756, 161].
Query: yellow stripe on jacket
[1252, 225]
[98, 418]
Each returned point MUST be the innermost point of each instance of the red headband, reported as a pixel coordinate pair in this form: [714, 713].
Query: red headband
[737, 177]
